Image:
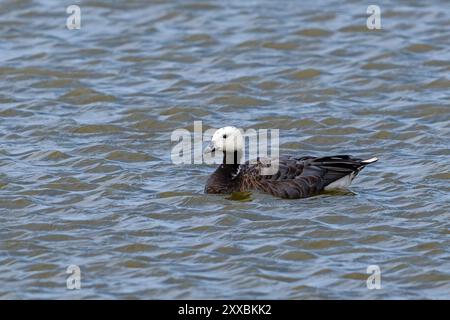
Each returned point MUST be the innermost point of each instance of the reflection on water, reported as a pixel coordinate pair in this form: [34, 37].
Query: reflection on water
[86, 178]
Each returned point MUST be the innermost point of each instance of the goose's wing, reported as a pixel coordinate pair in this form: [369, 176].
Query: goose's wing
[301, 187]
[299, 177]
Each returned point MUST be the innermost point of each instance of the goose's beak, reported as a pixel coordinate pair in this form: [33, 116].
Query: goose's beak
[210, 148]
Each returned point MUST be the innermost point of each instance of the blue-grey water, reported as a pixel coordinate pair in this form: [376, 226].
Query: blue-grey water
[86, 176]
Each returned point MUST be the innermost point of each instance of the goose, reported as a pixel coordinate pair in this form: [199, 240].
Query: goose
[297, 177]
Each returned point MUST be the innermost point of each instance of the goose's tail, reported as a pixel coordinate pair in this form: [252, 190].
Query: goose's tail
[342, 169]
[369, 161]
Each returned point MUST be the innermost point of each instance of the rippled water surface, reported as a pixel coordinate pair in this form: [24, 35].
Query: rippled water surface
[86, 176]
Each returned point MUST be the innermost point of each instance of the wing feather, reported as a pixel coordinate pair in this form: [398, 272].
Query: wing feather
[298, 177]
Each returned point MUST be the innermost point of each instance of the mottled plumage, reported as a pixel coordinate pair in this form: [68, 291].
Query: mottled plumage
[297, 177]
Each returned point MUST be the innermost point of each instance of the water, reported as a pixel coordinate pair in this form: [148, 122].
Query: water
[85, 171]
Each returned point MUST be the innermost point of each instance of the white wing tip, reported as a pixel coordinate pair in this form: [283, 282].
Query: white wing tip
[371, 160]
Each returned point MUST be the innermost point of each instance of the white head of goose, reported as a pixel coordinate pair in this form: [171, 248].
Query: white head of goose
[297, 177]
[230, 142]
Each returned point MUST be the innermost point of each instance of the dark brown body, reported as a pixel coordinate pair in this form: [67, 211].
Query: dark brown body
[296, 178]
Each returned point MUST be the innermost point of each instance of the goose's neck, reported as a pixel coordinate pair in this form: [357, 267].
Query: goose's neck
[230, 164]
[227, 177]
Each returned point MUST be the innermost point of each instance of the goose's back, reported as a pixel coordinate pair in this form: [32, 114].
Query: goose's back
[297, 177]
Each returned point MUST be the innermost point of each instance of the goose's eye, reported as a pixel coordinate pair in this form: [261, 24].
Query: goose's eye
[224, 136]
